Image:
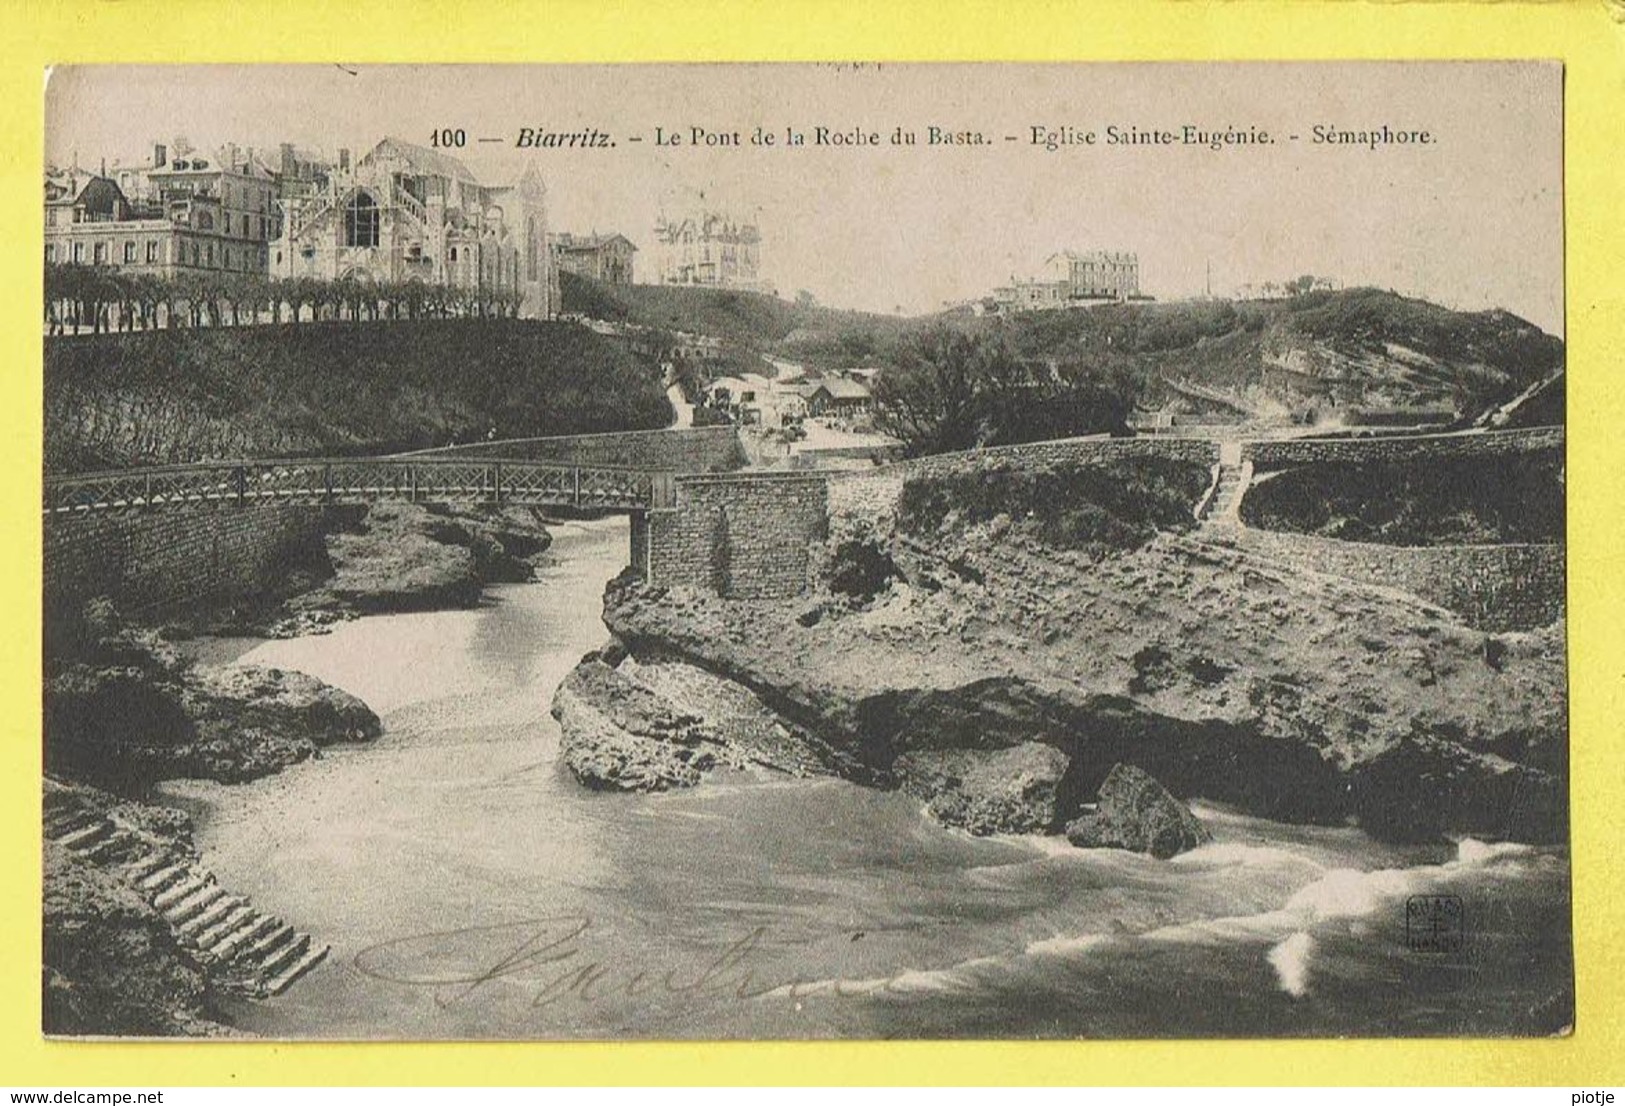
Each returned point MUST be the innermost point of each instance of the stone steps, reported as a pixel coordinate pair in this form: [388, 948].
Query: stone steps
[1220, 511]
[59, 825]
[207, 918]
[309, 960]
[283, 954]
[86, 836]
[253, 927]
[258, 954]
[161, 878]
[227, 935]
[178, 890]
[187, 909]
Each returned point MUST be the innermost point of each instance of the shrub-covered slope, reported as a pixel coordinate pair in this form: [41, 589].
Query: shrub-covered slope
[1317, 355]
[1468, 501]
[173, 396]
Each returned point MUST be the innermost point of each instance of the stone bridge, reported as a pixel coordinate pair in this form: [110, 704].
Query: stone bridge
[171, 534]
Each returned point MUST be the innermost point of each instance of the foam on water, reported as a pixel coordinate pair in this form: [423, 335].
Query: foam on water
[1290, 959]
[1067, 946]
[1338, 895]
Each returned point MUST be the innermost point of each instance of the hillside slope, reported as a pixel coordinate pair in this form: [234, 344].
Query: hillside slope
[750, 319]
[173, 396]
[1327, 353]
[1323, 356]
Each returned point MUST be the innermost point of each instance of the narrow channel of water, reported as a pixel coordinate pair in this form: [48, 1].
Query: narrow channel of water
[470, 888]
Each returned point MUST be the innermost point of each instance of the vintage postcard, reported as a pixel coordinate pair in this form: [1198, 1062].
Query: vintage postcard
[805, 551]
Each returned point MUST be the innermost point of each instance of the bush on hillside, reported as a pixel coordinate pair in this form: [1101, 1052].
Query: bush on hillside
[1094, 508]
[341, 388]
[1465, 501]
[952, 390]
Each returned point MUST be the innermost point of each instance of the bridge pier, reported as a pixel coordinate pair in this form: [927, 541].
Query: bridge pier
[736, 536]
[638, 554]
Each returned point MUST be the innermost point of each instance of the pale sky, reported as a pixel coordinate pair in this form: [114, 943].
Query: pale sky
[1473, 220]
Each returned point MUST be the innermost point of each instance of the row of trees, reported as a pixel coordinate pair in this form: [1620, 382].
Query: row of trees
[951, 390]
[102, 299]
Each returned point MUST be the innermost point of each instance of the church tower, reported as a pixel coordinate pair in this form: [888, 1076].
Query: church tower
[538, 277]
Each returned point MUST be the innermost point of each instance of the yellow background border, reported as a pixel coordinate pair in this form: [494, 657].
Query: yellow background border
[1588, 36]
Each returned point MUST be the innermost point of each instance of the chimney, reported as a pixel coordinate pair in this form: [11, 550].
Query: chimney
[288, 167]
[160, 156]
[344, 159]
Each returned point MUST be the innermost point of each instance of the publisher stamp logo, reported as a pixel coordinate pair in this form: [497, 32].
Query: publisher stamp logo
[1435, 923]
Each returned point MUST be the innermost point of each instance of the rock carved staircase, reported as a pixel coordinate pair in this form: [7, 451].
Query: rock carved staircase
[1221, 509]
[254, 953]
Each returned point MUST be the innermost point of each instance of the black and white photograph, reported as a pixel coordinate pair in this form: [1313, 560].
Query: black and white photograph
[805, 551]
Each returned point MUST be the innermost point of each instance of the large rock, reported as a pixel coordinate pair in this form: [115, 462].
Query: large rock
[289, 702]
[404, 556]
[606, 756]
[1137, 813]
[618, 735]
[126, 727]
[1014, 790]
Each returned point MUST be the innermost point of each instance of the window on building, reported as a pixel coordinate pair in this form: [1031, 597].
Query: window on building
[208, 255]
[226, 263]
[454, 254]
[50, 252]
[101, 253]
[129, 253]
[531, 239]
[78, 253]
[152, 253]
[279, 257]
[50, 216]
[205, 221]
[361, 221]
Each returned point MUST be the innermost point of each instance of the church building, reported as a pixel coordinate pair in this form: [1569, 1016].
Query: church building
[407, 212]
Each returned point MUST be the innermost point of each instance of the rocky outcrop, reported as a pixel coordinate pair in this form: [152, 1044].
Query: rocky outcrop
[1014, 790]
[404, 556]
[1297, 698]
[617, 736]
[111, 964]
[1135, 812]
[628, 725]
[251, 721]
[126, 711]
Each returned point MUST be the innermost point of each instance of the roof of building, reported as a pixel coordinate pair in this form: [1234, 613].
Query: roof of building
[708, 224]
[426, 161]
[841, 388]
[212, 163]
[589, 242]
[1094, 255]
[101, 196]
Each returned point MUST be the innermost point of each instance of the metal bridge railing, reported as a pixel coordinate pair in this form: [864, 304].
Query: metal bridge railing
[359, 480]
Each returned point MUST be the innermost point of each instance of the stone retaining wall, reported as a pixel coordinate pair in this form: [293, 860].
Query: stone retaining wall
[698, 449]
[1490, 587]
[1389, 448]
[743, 537]
[146, 559]
[1091, 450]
